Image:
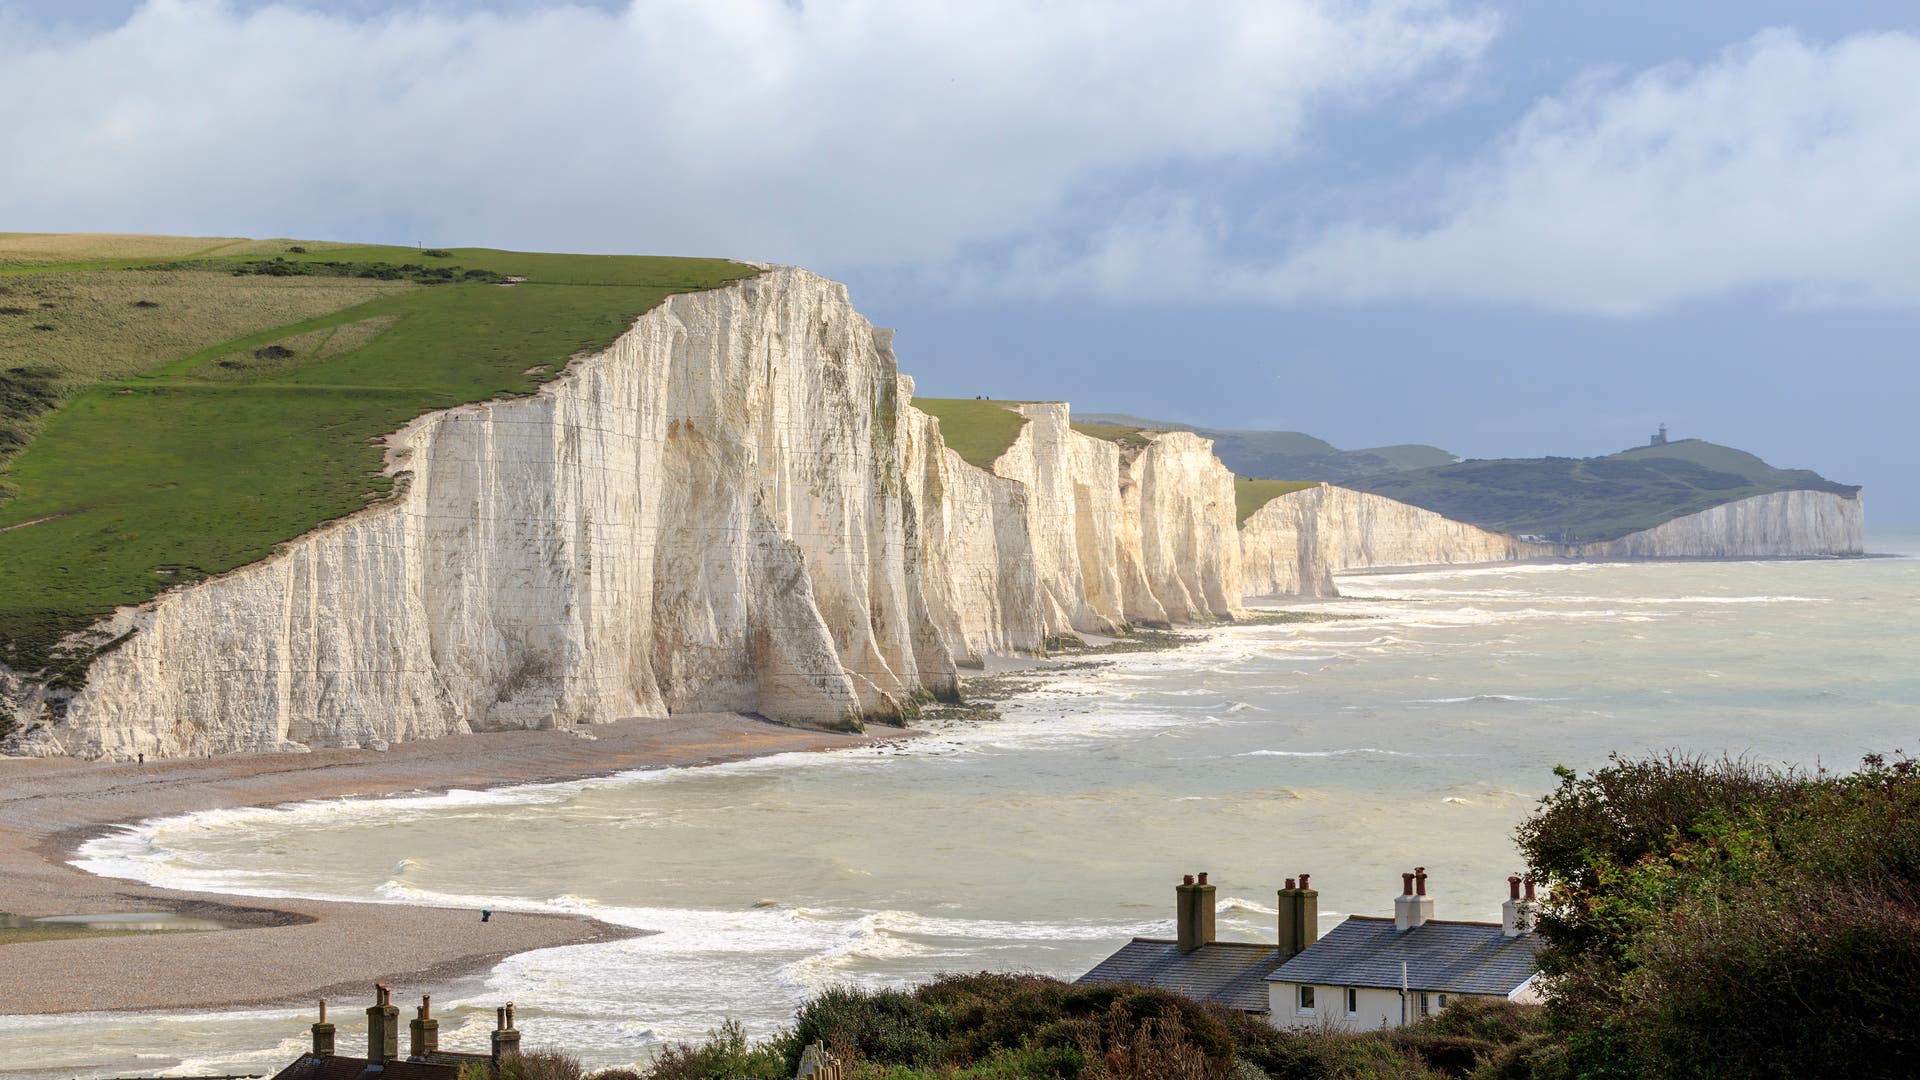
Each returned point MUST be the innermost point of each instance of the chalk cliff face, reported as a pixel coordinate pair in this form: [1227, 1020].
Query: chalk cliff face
[1124, 535]
[736, 507]
[711, 514]
[1180, 498]
[1783, 523]
[1295, 543]
[733, 507]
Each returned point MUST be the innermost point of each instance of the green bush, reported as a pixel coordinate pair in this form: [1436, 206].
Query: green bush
[1717, 918]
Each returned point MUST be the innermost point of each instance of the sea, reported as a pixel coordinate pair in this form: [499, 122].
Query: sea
[1416, 729]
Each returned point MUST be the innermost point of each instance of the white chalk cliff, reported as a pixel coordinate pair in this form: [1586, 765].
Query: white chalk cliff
[1784, 523]
[1295, 543]
[733, 507]
[736, 507]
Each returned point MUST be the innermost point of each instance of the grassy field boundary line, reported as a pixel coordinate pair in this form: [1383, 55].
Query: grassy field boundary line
[35, 521]
[332, 320]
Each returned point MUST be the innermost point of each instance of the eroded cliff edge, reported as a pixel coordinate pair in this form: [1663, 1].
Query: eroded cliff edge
[736, 507]
[732, 508]
[1295, 543]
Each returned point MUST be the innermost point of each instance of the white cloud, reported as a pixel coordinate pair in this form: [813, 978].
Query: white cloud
[1780, 166]
[836, 132]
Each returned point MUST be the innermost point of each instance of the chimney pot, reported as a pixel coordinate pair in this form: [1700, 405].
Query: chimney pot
[1406, 884]
[1420, 881]
[1529, 884]
[1187, 880]
[323, 1034]
[1290, 883]
[1203, 878]
[1513, 886]
[383, 1026]
[1303, 882]
[424, 1032]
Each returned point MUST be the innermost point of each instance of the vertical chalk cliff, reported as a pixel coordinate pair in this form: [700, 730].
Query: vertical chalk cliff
[736, 507]
[1294, 544]
[1124, 534]
[1784, 523]
[733, 507]
[709, 515]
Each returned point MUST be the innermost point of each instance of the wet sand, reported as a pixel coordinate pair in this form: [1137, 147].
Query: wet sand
[285, 951]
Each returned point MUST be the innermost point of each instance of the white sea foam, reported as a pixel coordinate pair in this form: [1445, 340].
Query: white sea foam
[1077, 789]
[1483, 699]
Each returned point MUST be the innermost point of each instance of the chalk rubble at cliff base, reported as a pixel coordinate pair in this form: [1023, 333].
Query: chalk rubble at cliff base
[736, 507]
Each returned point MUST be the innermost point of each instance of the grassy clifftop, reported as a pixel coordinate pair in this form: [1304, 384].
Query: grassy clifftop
[1293, 454]
[1592, 499]
[174, 408]
[976, 429]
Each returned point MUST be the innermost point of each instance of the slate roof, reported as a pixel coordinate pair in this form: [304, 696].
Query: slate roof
[1449, 957]
[311, 1067]
[1232, 973]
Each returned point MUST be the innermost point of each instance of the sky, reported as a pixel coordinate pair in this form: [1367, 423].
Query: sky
[1506, 229]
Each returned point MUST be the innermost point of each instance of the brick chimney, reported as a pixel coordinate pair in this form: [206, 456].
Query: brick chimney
[383, 1026]
[1413, 907]
[1193, 915]
[423, 1031]
[1516, 915]
[1299, 917]
[506, 1038]
[323, 1034]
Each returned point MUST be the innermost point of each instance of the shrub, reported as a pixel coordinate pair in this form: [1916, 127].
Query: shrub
[273, 352]
[43, 326]
[540, 1065]
[296, 250]
[726, 1055]
[436, 253]
[1721, 919]
[145, 304]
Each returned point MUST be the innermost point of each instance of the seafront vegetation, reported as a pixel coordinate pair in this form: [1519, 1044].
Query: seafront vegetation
[1706, 919]
[172, 409]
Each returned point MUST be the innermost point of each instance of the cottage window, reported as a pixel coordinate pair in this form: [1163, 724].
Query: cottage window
[1424, 1009]
[1306, 999]
[1443, 1001]
[1353, 1002]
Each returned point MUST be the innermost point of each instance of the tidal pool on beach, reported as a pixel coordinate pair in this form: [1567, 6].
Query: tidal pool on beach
[1418, 732]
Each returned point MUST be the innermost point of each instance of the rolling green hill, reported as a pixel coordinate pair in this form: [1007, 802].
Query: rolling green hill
[1292, 455]
[173, 408]
[1592, 499]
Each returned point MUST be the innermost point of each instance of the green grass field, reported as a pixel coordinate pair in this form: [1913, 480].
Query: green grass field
[1114, 433]
[979, 431]
[207, 456]
[1250, 495]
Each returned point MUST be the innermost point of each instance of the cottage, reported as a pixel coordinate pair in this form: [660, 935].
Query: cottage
[1230, 973]
[424, 1061]
[1369, 972]
[1373, 972]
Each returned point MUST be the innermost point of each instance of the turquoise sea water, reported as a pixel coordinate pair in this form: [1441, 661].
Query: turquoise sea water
[1418, 732]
